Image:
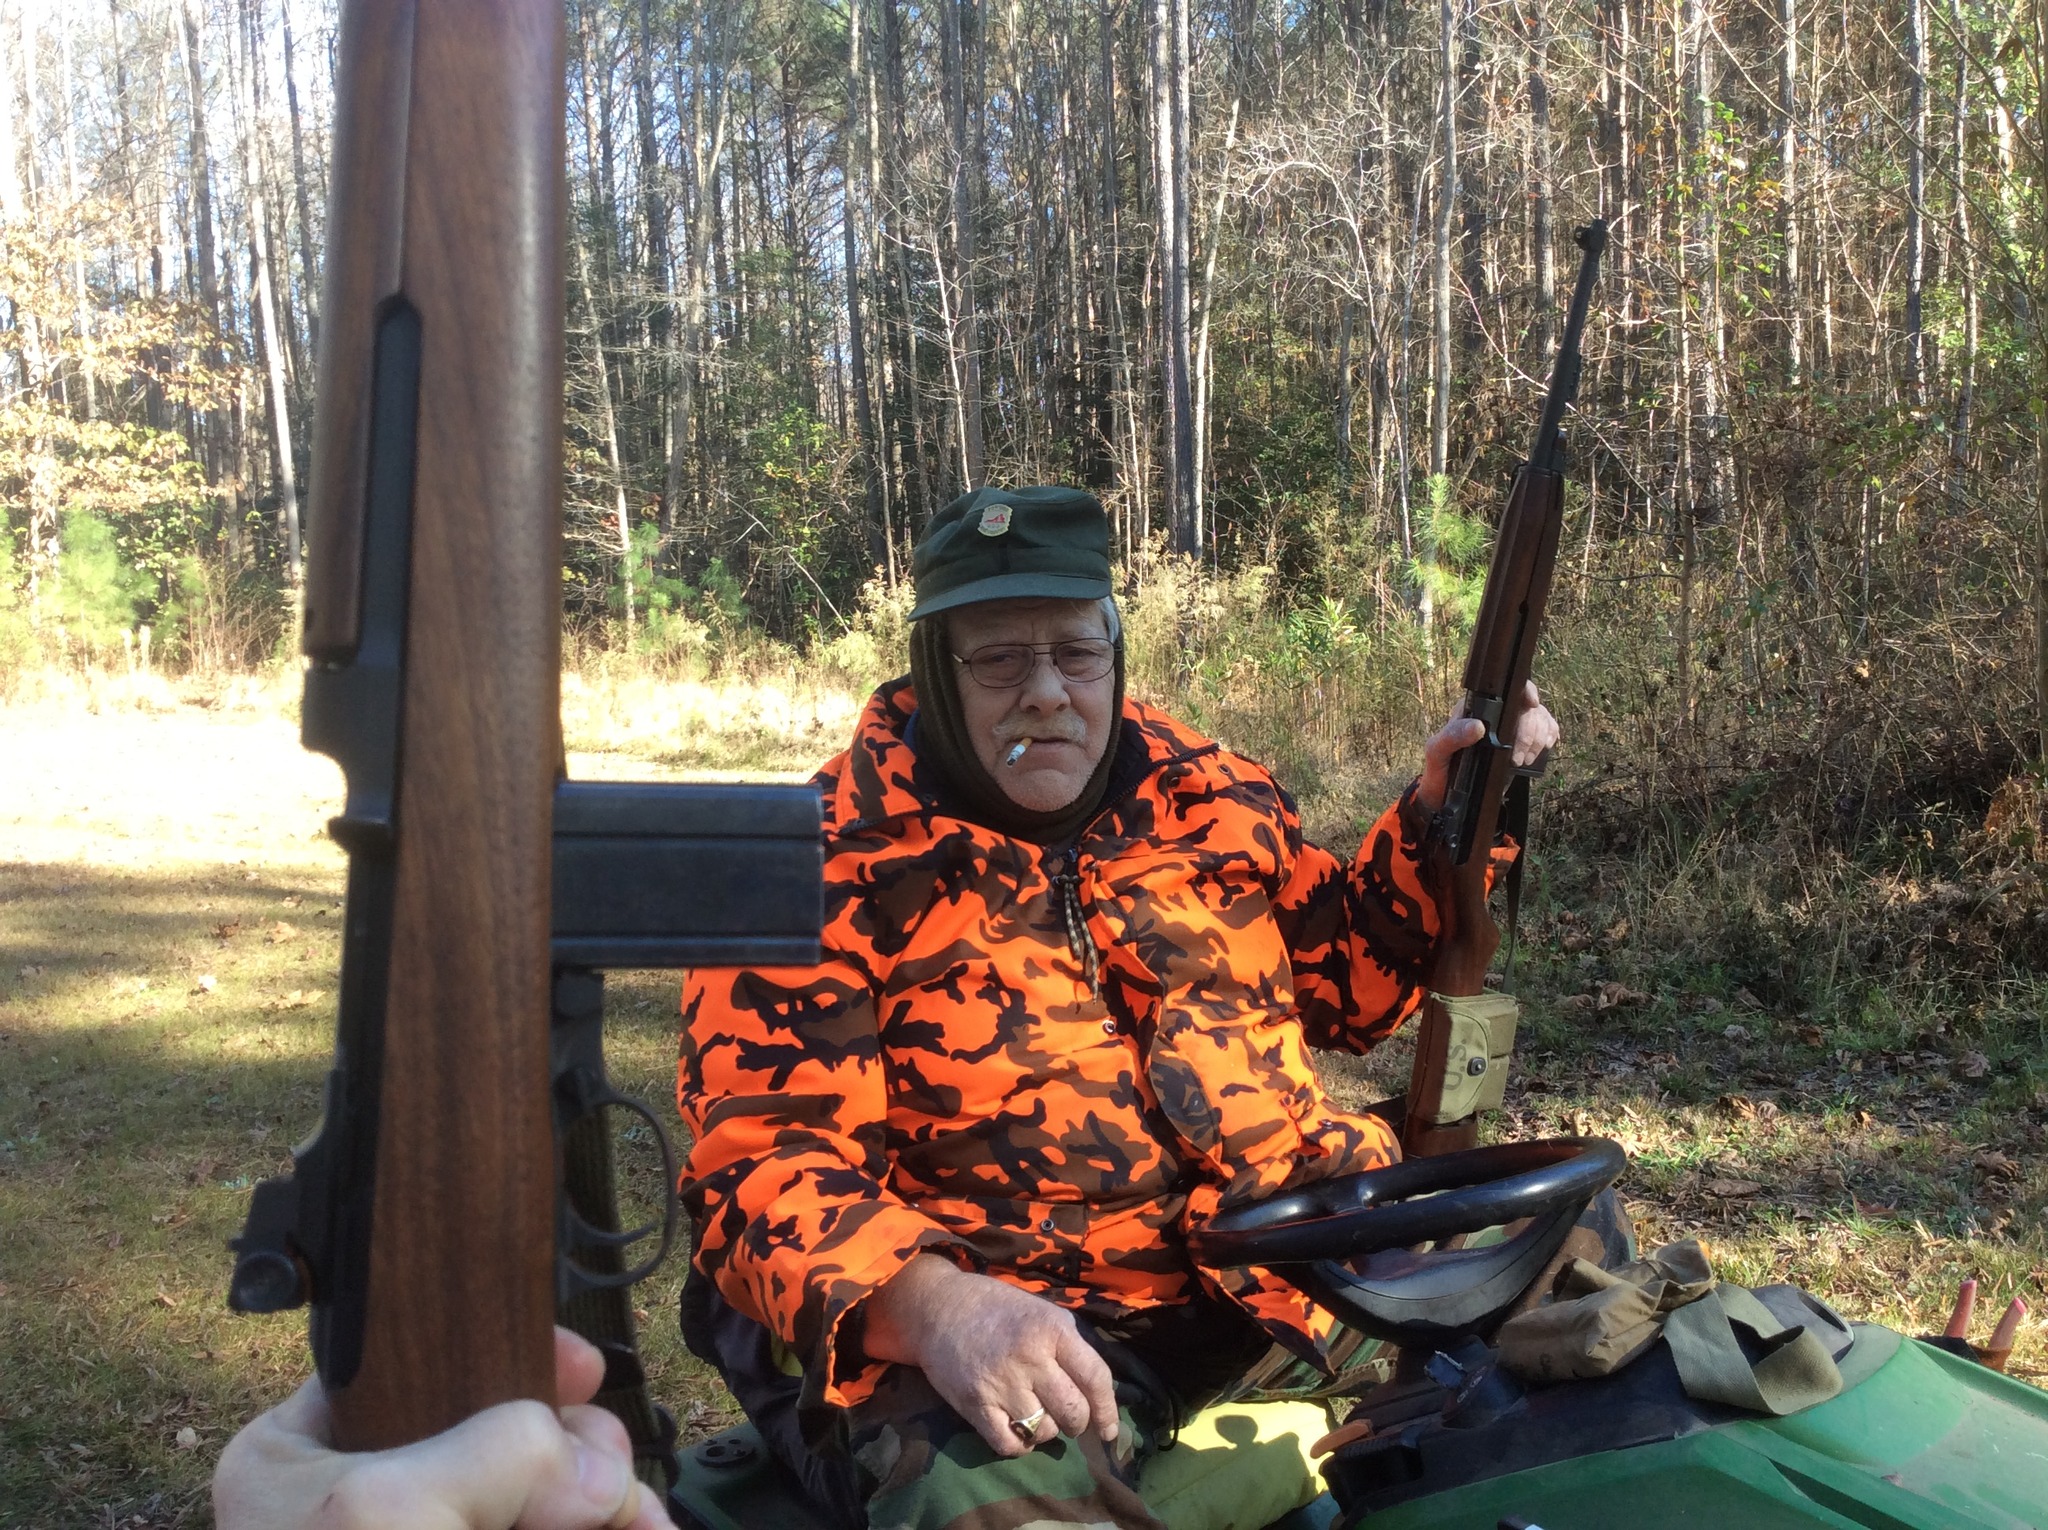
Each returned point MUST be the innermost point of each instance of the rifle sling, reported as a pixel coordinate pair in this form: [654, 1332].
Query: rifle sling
[1514, 824]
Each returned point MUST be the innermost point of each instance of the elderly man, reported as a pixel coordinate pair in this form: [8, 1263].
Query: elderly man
[1075, 957]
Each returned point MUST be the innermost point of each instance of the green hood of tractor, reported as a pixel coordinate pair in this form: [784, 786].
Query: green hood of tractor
[1919, 1440]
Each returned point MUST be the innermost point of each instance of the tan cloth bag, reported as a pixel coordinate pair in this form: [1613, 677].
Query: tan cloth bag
[1596, 1320]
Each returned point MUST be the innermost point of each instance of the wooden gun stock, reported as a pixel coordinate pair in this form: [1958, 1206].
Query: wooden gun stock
[1496, 671]
[421, 1223]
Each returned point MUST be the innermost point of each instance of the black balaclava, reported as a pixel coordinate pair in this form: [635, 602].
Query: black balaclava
[942, 741]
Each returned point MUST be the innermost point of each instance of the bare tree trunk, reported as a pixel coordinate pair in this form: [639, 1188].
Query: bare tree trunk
[1966, 372]
[82, 314]
[309, 268]
[270, 336]
[1447, 197]
[1542, 155]
[2038, 18]
[1709, 485]
[1788, 177]
[653, 191]
[963, 325]
[1215, 238]
[799, 293]
[719, 33]
[201, 166]
[1916, 197]
[864, 416]
[622, 519]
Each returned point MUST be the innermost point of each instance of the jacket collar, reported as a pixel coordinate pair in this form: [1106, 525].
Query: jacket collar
[879, 777]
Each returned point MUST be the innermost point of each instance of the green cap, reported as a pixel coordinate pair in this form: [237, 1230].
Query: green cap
[1006, 544]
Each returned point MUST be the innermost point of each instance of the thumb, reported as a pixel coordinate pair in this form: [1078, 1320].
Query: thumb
[1438, 753]
[1458, 733]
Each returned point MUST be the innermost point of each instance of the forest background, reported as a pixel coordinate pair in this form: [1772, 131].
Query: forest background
[1280, 281]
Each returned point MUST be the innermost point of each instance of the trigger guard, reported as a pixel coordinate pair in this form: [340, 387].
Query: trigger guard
[580, 1233]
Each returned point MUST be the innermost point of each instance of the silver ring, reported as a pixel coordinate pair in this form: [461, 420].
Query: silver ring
[1026, 1428]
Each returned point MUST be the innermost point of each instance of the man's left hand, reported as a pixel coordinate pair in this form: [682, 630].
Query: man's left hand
[1535, 731]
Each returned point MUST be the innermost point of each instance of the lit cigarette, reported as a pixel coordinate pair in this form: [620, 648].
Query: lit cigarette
[1017, 753]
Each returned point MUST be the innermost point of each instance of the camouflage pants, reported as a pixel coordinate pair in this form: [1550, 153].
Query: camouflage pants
[905, 1460]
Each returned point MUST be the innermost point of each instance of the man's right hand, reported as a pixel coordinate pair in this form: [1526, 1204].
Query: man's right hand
[995, 1352]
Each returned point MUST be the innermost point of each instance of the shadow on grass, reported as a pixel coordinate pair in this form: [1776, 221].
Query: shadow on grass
[163, 1039]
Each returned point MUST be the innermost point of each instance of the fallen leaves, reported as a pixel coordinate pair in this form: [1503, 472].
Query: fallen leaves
[1731, 1189]
[279, 933]
[187, 1438]
[1994, 1165]
[1974, 1065]
[1750, 1110]
[1615, 995]
[297, 998]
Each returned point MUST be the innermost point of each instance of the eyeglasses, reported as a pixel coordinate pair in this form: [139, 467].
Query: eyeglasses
[1005, 666]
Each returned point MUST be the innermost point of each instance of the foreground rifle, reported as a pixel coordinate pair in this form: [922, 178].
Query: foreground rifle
[1466, 1034]
[457, 1195]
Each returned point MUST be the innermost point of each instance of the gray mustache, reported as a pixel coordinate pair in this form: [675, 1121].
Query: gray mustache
[1065, 731]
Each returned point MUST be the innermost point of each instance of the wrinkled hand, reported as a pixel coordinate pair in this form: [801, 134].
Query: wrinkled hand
[518, 1466]
[993, 1351]
[1535, 731]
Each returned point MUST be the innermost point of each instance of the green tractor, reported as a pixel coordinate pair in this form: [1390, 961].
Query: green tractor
[1917, 1435]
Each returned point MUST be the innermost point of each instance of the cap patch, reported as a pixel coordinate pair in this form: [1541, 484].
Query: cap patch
[995, 520]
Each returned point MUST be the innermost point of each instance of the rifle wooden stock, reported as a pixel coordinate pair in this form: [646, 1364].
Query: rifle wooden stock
[448, 200]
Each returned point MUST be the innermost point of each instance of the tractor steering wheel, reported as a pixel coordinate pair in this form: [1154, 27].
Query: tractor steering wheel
[1348, 1241]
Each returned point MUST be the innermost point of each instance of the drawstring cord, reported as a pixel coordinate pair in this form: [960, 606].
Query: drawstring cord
[1079, 941]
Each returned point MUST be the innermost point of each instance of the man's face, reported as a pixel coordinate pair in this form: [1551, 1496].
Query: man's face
[1063, 723]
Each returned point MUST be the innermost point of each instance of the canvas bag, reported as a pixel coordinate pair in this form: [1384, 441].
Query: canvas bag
[1596, 1321]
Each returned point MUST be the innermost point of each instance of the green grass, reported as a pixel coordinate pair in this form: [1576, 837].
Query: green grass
[1889, 1116]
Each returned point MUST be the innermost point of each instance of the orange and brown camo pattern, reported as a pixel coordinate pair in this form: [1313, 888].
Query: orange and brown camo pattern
[948, 1080]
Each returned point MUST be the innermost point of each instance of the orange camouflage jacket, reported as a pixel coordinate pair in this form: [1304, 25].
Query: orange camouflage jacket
[950, 1079]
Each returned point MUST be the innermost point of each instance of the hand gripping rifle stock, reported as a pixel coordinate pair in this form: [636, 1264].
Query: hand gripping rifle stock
[1461, 1047]
[429, 1221]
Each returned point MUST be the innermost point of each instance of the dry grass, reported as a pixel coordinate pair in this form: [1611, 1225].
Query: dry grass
[168, 950]
[152, 838]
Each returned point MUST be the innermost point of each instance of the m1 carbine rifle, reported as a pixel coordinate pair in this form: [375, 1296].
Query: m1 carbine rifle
[457, 1196]
[1462, 1046]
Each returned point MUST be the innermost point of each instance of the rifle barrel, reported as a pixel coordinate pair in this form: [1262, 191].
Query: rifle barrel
[1564, 378]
